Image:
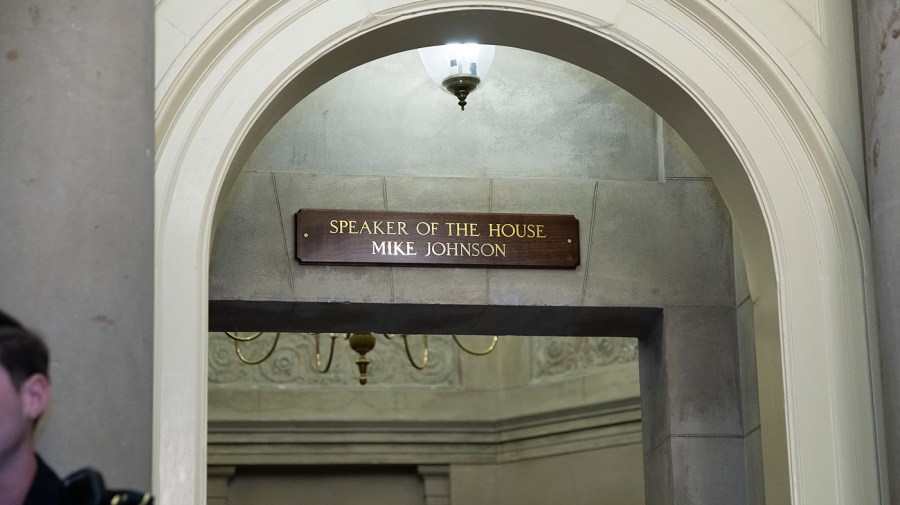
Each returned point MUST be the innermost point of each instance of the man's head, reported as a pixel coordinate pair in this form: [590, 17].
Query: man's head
[22, 353]
[24, 387]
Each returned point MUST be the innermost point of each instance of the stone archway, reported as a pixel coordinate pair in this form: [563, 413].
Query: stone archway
[701, 72]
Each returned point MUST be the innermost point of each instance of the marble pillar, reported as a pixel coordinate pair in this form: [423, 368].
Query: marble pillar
[76, 220]
[879, 66]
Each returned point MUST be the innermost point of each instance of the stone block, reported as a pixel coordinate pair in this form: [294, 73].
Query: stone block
[749, 384]
[660, 244]
[654, 385]
[298, 191]
[249, 258]
[438, 194]
[658, 483]
[741, 282]
[756, 492]
[599, 131]
[556, 287]
[327, 282]
[708, 470]
[701, 358]
[679, 159]
[440, 285]
[432, 194]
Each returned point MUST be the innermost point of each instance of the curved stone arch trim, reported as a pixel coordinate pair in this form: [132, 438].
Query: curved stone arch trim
[194, 162]
[853, 273]
[846, 206]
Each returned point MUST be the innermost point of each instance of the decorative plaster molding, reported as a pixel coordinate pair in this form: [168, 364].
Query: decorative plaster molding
[554, 358]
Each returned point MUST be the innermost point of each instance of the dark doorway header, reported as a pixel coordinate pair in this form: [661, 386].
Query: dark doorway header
[240, 315]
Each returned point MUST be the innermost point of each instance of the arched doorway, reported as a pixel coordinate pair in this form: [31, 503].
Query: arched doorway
[806, 263]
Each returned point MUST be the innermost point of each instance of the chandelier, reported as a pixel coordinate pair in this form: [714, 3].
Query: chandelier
[360, 343]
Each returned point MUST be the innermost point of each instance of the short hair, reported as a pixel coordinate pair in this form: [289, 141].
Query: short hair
[22, 353]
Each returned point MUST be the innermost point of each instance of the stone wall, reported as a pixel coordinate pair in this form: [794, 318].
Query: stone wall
[76, 221]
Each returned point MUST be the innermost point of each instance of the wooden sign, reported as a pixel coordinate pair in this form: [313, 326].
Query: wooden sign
[436, 239]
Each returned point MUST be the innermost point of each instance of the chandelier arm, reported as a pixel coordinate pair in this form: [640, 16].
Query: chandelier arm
[241, 356]
[409, 354]
[233, 336]
[319, 356]
[477, 353]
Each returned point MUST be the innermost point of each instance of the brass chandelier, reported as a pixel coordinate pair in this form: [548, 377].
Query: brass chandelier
[360, 343]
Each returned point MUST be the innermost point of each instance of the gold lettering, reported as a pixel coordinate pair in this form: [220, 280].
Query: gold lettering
[425, 228]
[472, 249]
[520, 230]
[404, 249]
[368, 227]
[462, 229]
[389, 248]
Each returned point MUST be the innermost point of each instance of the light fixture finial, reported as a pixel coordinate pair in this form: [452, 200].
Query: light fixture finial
[460, 86]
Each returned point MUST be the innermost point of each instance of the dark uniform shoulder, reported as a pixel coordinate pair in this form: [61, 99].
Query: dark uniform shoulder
[46, 488]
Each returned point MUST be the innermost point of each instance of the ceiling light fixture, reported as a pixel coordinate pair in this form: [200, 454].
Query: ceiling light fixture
[361, 343]
[458, 68]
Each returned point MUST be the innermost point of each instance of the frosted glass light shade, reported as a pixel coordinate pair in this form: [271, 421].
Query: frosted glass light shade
[457, 68]
[456, 59]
